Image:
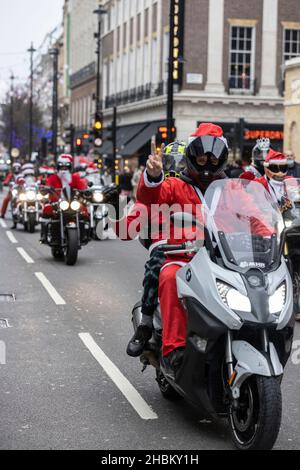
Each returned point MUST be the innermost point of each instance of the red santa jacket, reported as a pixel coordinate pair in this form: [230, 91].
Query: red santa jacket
[142, 222]
[9, 178]
[54, 181]
[182, 196]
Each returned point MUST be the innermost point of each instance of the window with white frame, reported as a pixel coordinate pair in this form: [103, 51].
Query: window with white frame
[242, 51]
[291, 46]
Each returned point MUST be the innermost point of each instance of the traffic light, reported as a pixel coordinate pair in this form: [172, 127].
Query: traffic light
[70, 137]
[163, 133]
[78, 146]
[98, 131]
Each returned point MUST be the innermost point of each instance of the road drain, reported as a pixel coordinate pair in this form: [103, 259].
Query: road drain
[4, 323]
[7, 298]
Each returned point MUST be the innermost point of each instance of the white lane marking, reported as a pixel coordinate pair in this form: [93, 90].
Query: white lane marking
[129, 392]
[25, 255]
[50, 289]
[11, 237]
[3, 224]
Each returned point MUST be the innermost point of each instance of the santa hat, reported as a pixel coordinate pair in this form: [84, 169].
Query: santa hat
[92, 168]
[208, 129]
[65, 159]
[275, 158]
[43, 169]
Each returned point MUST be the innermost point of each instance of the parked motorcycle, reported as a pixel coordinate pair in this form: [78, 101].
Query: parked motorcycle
[98, 212]
[26, 206]
[238, 296]
[69, 229]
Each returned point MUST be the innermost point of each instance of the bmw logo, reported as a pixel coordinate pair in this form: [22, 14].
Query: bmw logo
[188, 275]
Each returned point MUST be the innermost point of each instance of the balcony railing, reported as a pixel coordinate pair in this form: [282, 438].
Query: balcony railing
[242, 86]
[141, 93]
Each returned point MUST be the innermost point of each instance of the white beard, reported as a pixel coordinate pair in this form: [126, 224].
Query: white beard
[66, 178]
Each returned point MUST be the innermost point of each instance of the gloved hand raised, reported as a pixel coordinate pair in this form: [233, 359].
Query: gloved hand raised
[155, 163]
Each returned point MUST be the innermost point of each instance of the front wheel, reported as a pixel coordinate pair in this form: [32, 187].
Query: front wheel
[72, 247]
[31, 223]
[255, 419]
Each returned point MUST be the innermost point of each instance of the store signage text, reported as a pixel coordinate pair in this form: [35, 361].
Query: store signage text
[263, 134]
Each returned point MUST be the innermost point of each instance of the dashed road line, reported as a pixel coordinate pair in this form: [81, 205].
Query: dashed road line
[129, 392]
[56, 297]
[11, 237]
[25, 255]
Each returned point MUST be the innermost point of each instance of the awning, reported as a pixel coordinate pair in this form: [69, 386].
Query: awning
[125, 134]
[141, 139]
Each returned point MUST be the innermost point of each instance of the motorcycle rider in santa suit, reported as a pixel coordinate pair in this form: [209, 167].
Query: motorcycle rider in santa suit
[11, 177]
[259, 153]
[276, 173]
[206, 157]
[63, 179]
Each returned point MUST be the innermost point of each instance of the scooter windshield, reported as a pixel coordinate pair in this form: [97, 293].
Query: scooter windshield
[245, 223]
[292, 189]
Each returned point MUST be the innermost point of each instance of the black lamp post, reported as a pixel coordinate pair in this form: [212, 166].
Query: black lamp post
[12, 78]
[55, 53]
[31, 51]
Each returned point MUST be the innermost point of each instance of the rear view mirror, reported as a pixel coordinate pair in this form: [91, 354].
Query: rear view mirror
[185, 219]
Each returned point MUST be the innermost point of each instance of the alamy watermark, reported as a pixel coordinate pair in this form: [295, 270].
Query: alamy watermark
[2, 353]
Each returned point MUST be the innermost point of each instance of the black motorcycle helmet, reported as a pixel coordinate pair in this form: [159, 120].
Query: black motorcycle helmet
[208, 141]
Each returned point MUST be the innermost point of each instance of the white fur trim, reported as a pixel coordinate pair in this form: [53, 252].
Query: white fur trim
[276, 162]
[150, 184]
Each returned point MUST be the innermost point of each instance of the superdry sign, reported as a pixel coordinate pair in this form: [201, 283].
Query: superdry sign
[263, 134]
[178, 38]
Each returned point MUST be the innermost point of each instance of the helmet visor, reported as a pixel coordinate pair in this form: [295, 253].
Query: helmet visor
[207, 144]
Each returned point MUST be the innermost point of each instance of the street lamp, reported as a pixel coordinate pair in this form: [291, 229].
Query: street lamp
[31, 51]
[100, 11]
[12, 78]
[55, 53]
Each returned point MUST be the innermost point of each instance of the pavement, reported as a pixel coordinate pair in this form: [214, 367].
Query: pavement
[67, 382]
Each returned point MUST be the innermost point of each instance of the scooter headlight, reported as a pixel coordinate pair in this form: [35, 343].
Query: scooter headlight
[30, 196]
[233, 298]
[75, 206]
[277, 300]
[22, 197]
[98, 197]
[64, 205]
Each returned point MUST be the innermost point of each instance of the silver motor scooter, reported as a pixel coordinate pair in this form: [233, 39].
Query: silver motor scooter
[238, 296]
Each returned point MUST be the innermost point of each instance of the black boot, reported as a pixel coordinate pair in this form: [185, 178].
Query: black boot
[139, 340]
[171, 364]
[43, 239]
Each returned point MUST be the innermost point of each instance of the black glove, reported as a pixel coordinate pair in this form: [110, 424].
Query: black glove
[111, 195]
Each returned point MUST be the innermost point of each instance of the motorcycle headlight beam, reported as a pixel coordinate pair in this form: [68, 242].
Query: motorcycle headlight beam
[75, 206]
[22, 197]
[277, 300]
[233, 298]
[31, 196]
[64, 205]
[98, 197]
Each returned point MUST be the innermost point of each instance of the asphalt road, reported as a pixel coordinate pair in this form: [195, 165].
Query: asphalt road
[66, 360]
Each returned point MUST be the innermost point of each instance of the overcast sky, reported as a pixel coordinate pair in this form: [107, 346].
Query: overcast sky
[23, 21]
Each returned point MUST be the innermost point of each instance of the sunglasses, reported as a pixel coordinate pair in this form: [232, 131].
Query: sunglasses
[278, 168]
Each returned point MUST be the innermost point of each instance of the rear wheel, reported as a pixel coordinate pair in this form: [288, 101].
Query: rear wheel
[256, 419]
[167, 391]
[72, 247]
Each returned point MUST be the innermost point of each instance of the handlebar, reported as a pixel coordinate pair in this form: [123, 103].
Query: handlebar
[173, 247]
